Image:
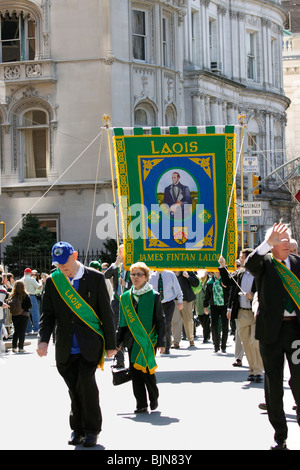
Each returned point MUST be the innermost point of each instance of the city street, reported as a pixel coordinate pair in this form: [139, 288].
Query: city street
[205, 404]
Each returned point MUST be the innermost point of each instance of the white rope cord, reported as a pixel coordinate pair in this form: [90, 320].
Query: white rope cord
[229, 204]
[55, 182]
[94, 200]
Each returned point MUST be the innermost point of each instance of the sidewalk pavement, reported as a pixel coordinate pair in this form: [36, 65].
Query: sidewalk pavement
[205, 404]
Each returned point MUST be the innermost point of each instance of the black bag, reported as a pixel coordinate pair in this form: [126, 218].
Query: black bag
[120, 376]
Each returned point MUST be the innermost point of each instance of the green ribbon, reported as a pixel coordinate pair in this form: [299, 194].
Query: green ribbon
[143, 353]
[290, 281]
[78, 305]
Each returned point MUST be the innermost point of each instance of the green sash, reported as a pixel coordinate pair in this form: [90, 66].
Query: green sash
[78, 305]
[143, 353]
[290, 281]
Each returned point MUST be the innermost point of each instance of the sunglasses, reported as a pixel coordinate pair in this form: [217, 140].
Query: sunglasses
[137, 274]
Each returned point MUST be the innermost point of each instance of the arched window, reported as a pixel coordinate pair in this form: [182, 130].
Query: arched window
[34, 133]
[17, 37]
[145, 114]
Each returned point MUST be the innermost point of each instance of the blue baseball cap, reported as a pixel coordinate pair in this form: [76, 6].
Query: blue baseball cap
[61, 252]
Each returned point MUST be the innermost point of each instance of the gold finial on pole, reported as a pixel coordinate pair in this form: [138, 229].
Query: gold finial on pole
[107, 119]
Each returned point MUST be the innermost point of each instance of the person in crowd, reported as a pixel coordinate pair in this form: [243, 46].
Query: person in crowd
[241, 295]
[3, 304]
[31, 285]
[166, 283]
[10, 280]
[142, 331]
[77, 302]
[199, 307]
[216, 300]
[20, 304]
[99, 266]
[277, 274]
[121, 282]
[184, 315]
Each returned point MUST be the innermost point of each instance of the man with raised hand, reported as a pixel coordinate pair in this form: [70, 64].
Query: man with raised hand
[277, 274]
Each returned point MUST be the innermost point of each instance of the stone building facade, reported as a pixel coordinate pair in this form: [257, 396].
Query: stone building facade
[63, 65]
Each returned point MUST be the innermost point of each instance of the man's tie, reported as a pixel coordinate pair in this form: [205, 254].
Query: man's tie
[289, 304]
[160, 286]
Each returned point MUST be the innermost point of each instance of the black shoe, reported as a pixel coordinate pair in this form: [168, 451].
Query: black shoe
[141, 410]
[258, 378]
[75, 439]
[280, 445]
[154, 405]
[251, 377]
[90, 439]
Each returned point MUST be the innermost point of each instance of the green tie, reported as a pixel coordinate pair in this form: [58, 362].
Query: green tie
[160, 286]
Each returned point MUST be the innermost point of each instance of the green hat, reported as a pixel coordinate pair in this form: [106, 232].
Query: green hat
[96, 265]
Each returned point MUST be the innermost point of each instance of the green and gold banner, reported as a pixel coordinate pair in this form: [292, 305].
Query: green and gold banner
[177, 198]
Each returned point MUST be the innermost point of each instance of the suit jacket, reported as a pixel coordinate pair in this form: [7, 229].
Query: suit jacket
[186, 283]
[234, 297]
[271, 294]
[113, 272]
[184, 195]
[55, 312]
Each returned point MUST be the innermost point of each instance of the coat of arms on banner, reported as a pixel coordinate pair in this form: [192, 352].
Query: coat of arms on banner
[175, 191]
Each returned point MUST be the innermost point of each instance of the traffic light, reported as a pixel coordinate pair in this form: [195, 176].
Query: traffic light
[2, 231]
[255, 182]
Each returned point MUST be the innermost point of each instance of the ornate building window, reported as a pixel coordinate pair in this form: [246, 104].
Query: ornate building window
[139, 38]
[34, 144]
[17, 37]
[250, 44]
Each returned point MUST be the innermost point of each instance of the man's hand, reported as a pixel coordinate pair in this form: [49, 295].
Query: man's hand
[111, 352]
[222, 262]
[278, 234]
[42, 349]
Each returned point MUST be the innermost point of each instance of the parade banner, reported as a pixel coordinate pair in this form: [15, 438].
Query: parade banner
[176, 197]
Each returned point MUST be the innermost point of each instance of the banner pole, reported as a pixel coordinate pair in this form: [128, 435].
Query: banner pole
[241, 118]
[106, 119]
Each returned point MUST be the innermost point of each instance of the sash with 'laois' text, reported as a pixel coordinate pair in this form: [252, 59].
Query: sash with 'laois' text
[78, 305]
[143, 353]
[290, 281]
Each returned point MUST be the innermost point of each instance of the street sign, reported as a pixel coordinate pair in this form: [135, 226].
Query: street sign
[253, 228]
[250, 165]
[252, 209]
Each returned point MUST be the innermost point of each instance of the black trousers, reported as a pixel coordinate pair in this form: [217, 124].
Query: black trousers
[20, 325]
[273, 356]
[79, 375]
[205, 323]
[217, 312]
[141, 384]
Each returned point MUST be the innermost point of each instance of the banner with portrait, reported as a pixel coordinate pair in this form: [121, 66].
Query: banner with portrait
[177, 198]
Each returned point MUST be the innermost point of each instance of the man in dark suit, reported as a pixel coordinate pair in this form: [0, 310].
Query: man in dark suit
[277, 322]
[176, 195]
[76, 303]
